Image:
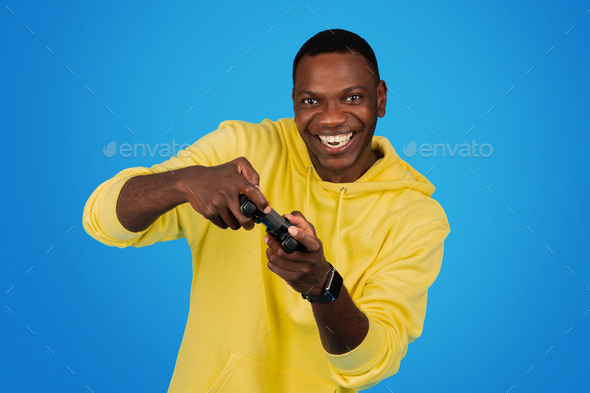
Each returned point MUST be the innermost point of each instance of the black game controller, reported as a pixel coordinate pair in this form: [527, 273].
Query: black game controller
[276, 225]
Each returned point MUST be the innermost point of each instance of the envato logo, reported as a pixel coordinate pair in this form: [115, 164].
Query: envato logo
[164, 150]
[465, 150]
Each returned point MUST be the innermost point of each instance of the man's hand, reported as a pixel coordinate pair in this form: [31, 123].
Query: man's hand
[211, 191]
[305, 271]
[214, 192]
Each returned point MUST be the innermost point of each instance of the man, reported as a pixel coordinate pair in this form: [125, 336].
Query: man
[262, 319]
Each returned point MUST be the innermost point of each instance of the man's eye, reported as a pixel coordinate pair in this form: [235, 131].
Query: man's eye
[354, 95]
[306, 99]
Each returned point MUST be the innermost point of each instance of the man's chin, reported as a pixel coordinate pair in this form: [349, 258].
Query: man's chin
[334, 167]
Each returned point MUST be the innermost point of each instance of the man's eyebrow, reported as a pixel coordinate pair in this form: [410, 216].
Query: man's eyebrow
[313, 93]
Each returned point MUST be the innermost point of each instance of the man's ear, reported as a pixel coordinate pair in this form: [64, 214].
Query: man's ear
[381, 98]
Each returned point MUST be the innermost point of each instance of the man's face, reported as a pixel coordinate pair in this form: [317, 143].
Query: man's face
[335, 95]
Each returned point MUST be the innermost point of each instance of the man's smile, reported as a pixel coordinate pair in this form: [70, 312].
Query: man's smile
[335, 143]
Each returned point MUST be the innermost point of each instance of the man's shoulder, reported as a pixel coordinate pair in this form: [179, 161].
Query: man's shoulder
[263, 138]
[267, 125]
[421, 210]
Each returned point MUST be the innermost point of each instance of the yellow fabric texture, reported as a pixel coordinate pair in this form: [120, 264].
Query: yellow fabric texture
[254, 333]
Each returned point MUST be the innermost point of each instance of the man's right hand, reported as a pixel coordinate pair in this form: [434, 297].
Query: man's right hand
[214, 192]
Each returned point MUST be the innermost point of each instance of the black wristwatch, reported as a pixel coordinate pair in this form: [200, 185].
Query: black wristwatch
[333, 286]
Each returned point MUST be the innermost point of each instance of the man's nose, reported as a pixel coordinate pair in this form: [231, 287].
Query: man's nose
[332, 115]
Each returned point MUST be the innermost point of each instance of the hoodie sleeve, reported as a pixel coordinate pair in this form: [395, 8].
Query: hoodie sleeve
[394, 301]
[100, 218]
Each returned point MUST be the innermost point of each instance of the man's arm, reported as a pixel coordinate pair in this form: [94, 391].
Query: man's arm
[342, 326]
[145, 198]
[365, 340]
[137, 209]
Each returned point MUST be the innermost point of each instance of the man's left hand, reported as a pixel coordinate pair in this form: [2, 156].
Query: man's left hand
[305, 271]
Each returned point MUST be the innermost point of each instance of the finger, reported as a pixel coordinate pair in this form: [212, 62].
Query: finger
[256, 196]
[243, 221]
[249, 173]
[265, 208]
[210, 215]
[297, 219]
[310, 242]
[277, 256]
[228, 219]
[275, 246]
[214, 217]
[275, 266]
[218, 221]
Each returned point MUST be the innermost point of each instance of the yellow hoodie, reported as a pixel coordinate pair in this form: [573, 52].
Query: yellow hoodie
[247, 330]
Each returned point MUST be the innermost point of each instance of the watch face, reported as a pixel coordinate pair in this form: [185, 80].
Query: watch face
[332, 289]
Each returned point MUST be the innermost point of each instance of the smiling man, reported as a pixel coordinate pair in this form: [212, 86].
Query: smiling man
[336, 316]
[336, 99]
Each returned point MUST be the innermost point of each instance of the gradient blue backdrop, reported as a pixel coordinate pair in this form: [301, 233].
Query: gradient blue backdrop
[509, 310]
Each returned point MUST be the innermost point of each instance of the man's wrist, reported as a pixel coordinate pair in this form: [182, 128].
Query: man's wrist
[179, 183]
[329, 291]
[321, 289]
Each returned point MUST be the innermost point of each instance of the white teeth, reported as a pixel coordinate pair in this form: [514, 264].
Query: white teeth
[341, 139]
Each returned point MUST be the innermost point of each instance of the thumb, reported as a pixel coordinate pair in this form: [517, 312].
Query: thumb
[297, 219]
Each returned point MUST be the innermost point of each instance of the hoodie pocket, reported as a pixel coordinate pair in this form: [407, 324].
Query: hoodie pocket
[245, 374]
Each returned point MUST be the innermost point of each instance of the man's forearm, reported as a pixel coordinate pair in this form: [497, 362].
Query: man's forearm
[342, 326]
[145, 198]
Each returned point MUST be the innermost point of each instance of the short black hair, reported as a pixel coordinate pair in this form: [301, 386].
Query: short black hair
[338, 41]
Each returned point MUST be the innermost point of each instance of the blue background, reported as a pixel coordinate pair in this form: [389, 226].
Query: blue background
[80, 316]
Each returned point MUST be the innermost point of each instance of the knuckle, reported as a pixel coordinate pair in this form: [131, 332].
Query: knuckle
[221, 194]
[217, 198]
[242, 161]
[305, 271]
[249, 188]
[245, 161]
